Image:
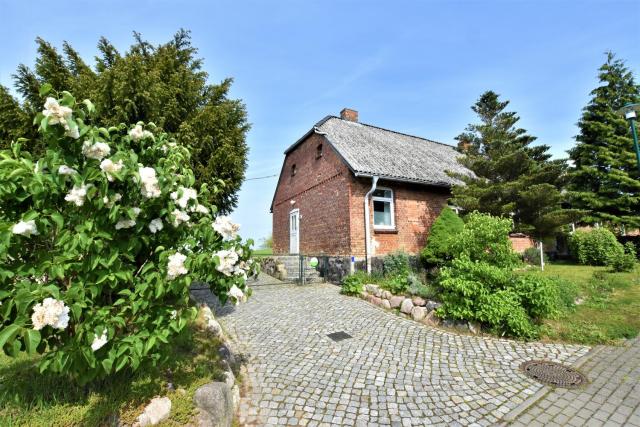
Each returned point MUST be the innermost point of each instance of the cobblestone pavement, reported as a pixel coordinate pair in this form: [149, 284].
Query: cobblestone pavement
[611, 398]
[394, 371]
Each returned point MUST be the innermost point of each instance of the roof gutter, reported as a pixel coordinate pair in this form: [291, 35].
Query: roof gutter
[407, 180]
[367, 226]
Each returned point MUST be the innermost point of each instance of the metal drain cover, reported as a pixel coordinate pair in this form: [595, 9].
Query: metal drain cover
[339, 336]
[553, 373]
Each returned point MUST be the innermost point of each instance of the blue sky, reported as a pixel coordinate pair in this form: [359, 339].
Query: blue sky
[414, 66]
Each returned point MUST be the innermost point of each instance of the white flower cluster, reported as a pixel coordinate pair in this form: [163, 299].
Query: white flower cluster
[77, 195]
[228, 260]
[25, 228]
[110, 202]
[137, 133]
[175, 266]
[99, 341]
[149, 181]
[187, 194]
[59, 114]
[50, 312]
[127, 222]
[179, 217]
[66, 170]
[155, 225]
[183, 201]
[227, 229]
[98, 150]
[108, 167]
[236, 294]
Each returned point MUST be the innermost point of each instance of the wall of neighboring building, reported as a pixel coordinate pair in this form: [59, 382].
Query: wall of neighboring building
[521, 242]
[320, 189]
[415, 207]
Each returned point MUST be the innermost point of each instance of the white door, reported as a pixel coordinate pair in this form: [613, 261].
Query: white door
[294, 231]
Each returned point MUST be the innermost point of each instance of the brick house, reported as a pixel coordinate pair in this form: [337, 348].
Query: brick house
[352, 189]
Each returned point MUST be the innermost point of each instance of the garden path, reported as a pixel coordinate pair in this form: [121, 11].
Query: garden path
[393, 371]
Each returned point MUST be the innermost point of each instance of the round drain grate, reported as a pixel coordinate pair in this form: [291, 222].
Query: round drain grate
[552, 373]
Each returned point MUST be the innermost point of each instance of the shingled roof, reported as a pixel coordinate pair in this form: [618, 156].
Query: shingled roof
[372, 151]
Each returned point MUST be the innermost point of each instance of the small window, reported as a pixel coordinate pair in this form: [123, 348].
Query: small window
[383, 209]
[293, 169]
[319, 151]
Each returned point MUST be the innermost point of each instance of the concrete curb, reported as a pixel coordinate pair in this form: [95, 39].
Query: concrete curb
[534, 398]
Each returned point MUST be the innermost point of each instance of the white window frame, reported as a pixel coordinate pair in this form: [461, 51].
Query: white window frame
[393, 210]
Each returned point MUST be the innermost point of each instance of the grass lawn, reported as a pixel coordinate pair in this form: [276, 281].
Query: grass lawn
[263, 251]
[610, 308]
[30, 399]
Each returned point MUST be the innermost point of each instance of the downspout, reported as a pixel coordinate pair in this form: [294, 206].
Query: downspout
[367, 227]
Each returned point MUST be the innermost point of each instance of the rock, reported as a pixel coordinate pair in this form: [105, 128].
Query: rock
[376, 300]
[578, 301]
[235, 395]
[386, 304]
[371, 288]
[418, 313]
[418, 301]
[406, 306]
[474, 327]
[431, 319]
[229, 379]
[208, 322]
[432, 305]
[396, 301]
[378, 293]
[155, 412]
[386, 294]
[215, 403]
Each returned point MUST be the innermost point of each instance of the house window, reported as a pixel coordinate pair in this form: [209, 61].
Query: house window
[319, 151]
[383, 209]
[293, 169]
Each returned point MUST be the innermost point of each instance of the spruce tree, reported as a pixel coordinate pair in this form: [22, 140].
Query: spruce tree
[162, 84]
[604, 177]
[511, 178]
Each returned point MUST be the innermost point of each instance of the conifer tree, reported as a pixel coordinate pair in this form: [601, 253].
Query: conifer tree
[604, 177]
[162, 84]
[511, 178]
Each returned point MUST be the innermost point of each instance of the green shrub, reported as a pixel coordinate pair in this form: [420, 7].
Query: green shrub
[532, 256]
[354, 284]
[417, 288]
[397, 285]
[100, 239]
[443, 233]
[396, 264]
[486, 238]
[596, 247]
[506, 301]
[624, 260]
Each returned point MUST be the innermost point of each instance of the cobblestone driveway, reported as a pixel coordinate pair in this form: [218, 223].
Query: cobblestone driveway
[611, 398]
[392, 372]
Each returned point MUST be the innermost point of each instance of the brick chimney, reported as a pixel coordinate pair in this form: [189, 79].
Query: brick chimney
[349, 114]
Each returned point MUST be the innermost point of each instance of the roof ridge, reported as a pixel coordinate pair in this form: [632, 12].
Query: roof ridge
[321, 122]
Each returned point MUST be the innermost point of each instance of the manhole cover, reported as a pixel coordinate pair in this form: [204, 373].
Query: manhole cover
[553, 373]
[339, 336]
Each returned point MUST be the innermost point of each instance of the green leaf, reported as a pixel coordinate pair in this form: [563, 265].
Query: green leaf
[31, 340]
[107, 364]
[45, 89]
[8, 333]
[58, 219]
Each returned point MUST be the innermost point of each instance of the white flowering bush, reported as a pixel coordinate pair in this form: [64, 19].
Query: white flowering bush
[99, 242]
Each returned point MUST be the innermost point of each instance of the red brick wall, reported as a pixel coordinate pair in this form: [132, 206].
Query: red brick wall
[320, 189]
[521, 243]
[416, 207]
